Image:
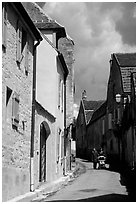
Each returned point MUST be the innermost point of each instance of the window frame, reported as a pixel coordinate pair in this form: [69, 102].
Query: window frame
[4, 25]
[15, 109]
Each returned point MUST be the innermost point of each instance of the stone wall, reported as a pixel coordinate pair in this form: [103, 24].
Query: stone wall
[15, 143]
[66, 47]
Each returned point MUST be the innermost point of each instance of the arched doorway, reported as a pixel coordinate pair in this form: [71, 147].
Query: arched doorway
[44, 133]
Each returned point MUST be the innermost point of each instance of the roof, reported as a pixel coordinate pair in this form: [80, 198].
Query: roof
[90, 107]
[88, 115]
[127, 63]
[126, 59]
[41, 20]
[99, 112]
[19, 7]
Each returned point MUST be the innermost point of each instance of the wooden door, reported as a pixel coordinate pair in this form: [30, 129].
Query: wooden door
[42, 170]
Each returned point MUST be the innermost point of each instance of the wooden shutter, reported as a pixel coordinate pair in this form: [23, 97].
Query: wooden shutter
[27, 58]
[4, 25]
[15, 109]
[18, 40]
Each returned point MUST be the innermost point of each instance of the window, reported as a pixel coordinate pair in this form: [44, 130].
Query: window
[4, 25]
[58, 144]
[60, 94]
[21, 43]
[15, 110]
[23, 40]
[8, 95]
[27, 58]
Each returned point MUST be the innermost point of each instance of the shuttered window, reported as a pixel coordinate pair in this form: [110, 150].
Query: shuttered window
[27, 58]
[4, 24]
[19, 42]
[15, 109]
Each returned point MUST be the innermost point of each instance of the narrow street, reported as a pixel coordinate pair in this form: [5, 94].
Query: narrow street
[93, 185]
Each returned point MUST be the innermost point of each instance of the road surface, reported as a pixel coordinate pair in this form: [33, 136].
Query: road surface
[92, 186]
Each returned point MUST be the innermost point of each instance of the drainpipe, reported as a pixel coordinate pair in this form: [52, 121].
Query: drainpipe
[65, 126]
[33, 119]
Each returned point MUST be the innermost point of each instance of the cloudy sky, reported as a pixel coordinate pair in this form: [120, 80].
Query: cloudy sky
[98, 29]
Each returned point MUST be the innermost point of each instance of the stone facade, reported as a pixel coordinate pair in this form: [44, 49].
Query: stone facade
[121, 67]
[96, 130]
[16, 136]
[66, 47]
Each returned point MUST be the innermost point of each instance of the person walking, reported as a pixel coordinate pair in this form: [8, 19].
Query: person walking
[94, 158]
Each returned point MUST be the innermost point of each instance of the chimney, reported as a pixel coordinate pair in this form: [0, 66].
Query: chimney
[84, 96]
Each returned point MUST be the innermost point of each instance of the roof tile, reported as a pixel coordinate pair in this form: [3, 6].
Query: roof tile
[126, 59]
[39, 17]
[92, 105]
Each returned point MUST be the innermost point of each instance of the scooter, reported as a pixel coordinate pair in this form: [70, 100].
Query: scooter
[101, 161]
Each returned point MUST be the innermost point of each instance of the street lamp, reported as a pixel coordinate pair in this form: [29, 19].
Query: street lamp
[118, 101]
[118, 98]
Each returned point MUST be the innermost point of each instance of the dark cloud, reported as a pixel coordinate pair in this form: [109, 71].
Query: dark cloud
[98, 29]
[126, 26]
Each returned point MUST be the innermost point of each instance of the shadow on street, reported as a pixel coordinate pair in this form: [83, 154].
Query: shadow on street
[104, 198]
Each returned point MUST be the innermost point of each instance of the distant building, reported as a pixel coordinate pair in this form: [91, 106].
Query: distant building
[86, 111]
[19, 43]
[96, 130]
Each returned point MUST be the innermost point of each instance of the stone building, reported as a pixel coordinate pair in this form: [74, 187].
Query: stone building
[51, 89]
[19, 42]
[66, 47]
[119, 94]
[86, 111]
[96, 130]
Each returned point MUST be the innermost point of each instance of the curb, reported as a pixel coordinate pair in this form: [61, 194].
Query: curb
[46, 189]
[43, 191]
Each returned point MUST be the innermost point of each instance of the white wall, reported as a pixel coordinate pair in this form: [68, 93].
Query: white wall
[46, 77]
